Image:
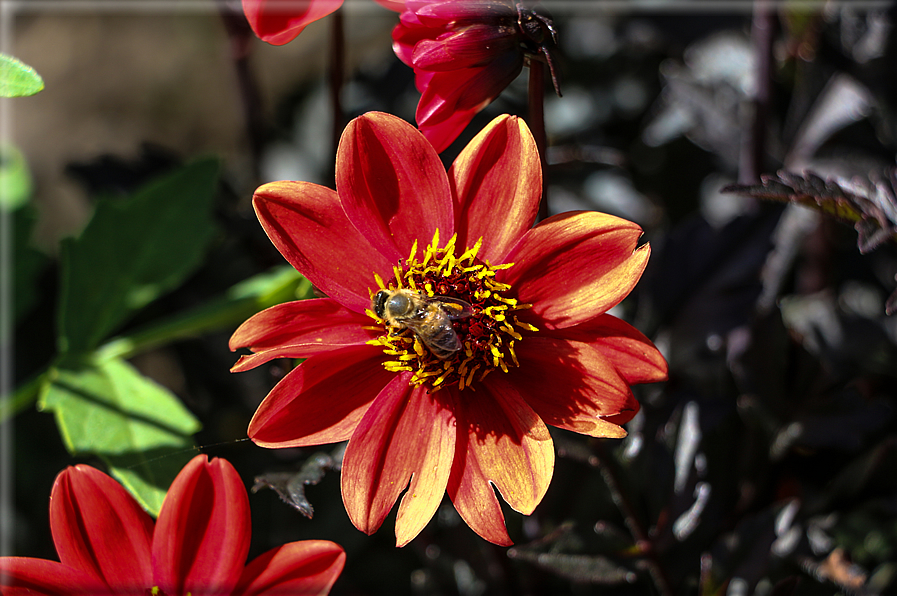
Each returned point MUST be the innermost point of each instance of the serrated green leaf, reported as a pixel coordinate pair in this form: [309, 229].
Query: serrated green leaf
[17, 79]
[132, 252]
[106, 408]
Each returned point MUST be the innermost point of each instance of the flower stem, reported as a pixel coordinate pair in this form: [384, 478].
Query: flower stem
[645, 545]
[337, 74]
[537, 125]
[753, 145]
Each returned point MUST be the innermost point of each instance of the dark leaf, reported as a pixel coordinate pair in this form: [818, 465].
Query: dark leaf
[291, 485]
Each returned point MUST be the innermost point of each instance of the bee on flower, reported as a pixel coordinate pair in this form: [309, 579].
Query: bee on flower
[453, 332]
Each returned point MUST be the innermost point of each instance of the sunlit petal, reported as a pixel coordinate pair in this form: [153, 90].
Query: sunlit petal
[308, 567]
[406, 435]
[574, 266]
[501, 441]
[22, 576]
[497, 183]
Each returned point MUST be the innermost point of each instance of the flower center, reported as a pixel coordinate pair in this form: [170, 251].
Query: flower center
[445, 318]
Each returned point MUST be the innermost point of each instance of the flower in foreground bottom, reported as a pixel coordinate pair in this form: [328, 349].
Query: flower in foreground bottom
[107, 544]
[526, 305]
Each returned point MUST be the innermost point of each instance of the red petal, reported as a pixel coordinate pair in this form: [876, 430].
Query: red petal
[497, 183]
[408, 33]
[572, 385]
[308, 226]
[306, 567]
[322, 400]
[574, 266]
[203, 531]
[396, 5]
[632, 354]
[500, 440]
[22, 576]
[449, 100]
[280, 21]
[98, 528]
[406, 434]
[298, 330]
[476, 45]
[392, 184]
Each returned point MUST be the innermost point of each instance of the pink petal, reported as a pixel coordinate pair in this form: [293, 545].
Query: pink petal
[392, 184]
[322, 400]
[632, 354]
[308, 226]
[99, 529]
[407, 434]
[497, 184]
[572, 385]
[396, 5]
[280, 21]
[203, 531]
[298, 330]
[306, 567]
[21, 576]
[502, 441]
[574, 266]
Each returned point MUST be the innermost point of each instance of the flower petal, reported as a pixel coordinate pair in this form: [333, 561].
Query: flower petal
[591, 387]
[500, 440]
[280, 21]
[497, 183]
[320, 401]
[449, 100]
[21, 576]
[407, 434]
[475, 45]
[99, 529]
[632, 354]
[574, 266]
[308, 226]
[392, 184]
[298, 330]
[305, 567]
[203, 531]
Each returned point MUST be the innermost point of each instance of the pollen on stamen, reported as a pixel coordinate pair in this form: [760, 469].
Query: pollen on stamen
[486, 330]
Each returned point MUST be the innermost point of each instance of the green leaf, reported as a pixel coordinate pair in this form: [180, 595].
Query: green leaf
[17, 79]
[15, 179]
[140, 429]
[28, 262]
[132, 252]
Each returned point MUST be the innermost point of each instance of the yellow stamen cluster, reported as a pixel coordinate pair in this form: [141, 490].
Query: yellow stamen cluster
[487, 336]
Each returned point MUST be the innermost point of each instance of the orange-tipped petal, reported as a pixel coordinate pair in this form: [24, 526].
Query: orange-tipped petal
[591, 387]
[308, 226]
[497, 183]
[633, 355]
[321, 400]
[280, 21]
[407, 434]
[99, 529]
[392, 184]
[298, 330]
[574, 266]
[502, 441]
[202, 534]
[308, 567]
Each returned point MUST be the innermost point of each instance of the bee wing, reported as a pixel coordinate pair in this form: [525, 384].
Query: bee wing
[437, 335]
[454, 308]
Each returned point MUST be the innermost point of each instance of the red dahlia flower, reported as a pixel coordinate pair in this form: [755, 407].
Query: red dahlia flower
[279, 21]
[109, 545]
[536, 348]
[464, 53]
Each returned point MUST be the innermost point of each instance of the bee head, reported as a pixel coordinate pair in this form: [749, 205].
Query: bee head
[379, 302]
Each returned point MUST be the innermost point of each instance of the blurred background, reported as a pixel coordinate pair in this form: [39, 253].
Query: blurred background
[767, 464]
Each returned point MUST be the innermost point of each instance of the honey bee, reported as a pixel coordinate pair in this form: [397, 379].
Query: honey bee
[430, 318]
